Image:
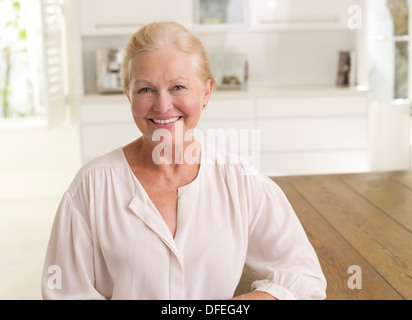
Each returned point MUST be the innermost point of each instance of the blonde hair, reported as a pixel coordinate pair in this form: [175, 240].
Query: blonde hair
[159, 35]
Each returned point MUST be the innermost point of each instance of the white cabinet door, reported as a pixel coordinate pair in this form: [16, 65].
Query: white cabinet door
[331, 106]
[309, 162]
[312, 123]
[298, 134]
[110, 17]
[229, 124]
[298, 14]
[229, 109]
[313, 134]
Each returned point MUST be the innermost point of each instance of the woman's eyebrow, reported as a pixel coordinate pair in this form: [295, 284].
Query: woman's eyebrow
[147, 82]
[142, 81]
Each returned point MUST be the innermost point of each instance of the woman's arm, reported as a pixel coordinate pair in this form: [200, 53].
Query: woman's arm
[255, 295]
[279, 252]
[70, 257]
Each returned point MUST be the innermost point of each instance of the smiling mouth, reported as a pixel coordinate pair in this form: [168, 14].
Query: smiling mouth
[166, 121]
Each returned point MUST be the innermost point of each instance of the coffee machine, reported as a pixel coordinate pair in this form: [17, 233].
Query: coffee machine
[108, 70]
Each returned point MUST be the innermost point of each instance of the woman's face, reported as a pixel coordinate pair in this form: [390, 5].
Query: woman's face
[165, 91]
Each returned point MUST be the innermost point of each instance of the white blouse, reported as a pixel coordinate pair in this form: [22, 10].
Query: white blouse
[109, 241]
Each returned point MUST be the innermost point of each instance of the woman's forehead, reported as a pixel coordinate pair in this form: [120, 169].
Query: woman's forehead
[170, 63]
[168, 55]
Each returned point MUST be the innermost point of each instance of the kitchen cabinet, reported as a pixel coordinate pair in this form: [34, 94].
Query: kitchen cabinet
[281, 133]
[106, 123]
[300, 132]
[228, 124]
[220, 15]
[313, 134]
[124, 17]
[298, 14]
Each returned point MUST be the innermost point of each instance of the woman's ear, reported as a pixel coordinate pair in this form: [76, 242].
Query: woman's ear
[126, 92]
[208, 91]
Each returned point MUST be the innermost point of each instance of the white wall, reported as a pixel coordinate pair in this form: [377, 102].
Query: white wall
[282, 58]
[287, 58]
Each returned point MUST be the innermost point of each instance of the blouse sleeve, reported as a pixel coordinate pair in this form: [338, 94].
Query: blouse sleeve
[69, 267]
[279, 252]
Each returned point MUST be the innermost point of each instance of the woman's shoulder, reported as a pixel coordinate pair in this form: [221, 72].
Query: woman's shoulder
[106, 160]
[236, 168]
[243, 165]
[102, 164]
[246, 165]
[241, 177]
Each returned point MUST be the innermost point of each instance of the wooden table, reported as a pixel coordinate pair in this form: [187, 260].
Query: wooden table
[362, 220]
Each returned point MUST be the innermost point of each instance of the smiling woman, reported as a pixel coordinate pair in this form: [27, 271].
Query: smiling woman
[130, 227]
[164, 88]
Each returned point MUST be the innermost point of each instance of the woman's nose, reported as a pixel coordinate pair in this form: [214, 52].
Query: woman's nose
[163, 103]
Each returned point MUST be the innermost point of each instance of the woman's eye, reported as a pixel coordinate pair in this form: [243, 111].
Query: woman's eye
[179, 88]
[144, 90]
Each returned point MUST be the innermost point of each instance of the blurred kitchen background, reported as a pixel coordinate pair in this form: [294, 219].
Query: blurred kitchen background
[326, 83]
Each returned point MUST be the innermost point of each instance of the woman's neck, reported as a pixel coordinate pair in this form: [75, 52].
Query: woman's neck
[169, 158]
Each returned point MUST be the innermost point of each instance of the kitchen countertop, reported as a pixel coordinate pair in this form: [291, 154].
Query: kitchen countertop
[250, 93]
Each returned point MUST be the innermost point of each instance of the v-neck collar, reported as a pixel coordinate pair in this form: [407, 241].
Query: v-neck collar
[143, 207]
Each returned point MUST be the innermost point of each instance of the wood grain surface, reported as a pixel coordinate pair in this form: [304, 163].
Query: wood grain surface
[362, 220]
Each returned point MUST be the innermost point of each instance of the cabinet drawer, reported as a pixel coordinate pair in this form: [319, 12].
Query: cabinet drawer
[324, 162]
[313, 134]
[298, 14]
[225, 124]
[220, 109]
[237, 137]
[112, 17]
[308, 107]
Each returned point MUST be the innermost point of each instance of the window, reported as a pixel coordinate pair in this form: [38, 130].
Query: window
[32, 62]
[389, 82]
[388, 49]
[18, 33]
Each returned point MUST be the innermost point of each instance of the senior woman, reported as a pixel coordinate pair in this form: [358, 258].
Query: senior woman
[132, 227]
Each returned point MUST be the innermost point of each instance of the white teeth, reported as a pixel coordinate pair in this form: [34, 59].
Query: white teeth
[166, 121]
